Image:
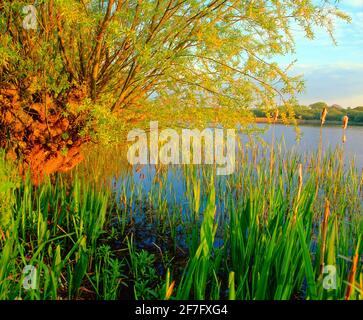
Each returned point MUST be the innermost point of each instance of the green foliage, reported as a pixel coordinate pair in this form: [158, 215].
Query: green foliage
[313, 112]
[240, 241]
[9, 183]
[144, 274]
[108, 273]
[209, 53]
[52, 228]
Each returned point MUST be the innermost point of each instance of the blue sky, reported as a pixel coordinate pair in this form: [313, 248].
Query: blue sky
[334, 73]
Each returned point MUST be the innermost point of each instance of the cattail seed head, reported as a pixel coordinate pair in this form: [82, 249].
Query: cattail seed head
[300, 185]
[344, 138]
[323, 115]
[276, 115]
[345, 122]
[352, 275]
[326, 211]
[300, 174]
[170, 291]
[324, 228]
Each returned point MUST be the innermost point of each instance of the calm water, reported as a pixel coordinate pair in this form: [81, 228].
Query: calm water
[286, 135]
[174, 192]
[310, 136]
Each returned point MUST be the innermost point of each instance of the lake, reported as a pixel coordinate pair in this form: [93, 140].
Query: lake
[168, 185]
[310, 136]
[144, 177]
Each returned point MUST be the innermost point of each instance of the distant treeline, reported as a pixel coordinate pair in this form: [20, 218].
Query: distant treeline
[313, 112]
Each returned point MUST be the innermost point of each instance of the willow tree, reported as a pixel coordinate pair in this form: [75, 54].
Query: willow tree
[125, 53]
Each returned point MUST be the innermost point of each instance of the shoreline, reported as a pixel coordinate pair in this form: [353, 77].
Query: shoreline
[309, 122]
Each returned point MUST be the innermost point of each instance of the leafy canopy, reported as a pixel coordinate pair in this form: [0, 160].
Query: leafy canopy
[161, 52]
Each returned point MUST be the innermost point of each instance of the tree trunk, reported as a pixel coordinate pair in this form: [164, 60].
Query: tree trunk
[37, 131]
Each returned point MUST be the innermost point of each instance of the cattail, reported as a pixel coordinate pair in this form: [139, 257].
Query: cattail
[169, 291]
[324, 228]
[344, 138]
[345, 122]
[345, 126]
[323, 115]
[276, 115]
[351, 279]
[300, 184]
[300, 175]
[300, 181]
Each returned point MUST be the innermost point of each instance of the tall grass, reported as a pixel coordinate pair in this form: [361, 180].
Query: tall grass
[265, 232]
[54, 228]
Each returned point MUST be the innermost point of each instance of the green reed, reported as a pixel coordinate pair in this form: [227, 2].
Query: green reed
[261, 233]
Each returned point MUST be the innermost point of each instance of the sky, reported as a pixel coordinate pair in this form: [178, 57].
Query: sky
[334, 74]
